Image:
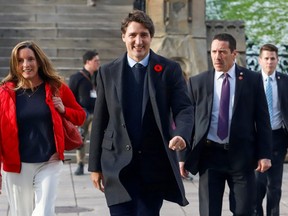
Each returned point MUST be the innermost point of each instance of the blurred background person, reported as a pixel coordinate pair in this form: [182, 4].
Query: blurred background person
[34, 99]
[84, 90]
[91, 3]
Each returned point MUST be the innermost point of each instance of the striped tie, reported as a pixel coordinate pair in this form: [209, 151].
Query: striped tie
[269, 97]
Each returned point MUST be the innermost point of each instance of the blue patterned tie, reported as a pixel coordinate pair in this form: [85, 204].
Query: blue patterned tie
[269, 97]
[223, 119]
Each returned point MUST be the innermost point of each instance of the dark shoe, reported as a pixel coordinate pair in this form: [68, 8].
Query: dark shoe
[80, 169]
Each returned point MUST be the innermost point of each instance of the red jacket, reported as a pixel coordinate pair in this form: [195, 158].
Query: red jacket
[9, 140]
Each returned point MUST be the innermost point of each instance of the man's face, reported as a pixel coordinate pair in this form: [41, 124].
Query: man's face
[268, 61]
[137, 40]
[93, 64]
[222, 58]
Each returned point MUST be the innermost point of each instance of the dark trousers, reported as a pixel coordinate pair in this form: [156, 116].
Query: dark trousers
[143, 205]
[147, 196]
[270, 182]
[214, 174]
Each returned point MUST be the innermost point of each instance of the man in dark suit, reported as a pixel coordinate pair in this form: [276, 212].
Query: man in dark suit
[232, 134]
[270, 182]
[132, 150]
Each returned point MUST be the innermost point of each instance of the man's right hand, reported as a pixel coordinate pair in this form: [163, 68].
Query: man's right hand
[97, 180]
[263, 165]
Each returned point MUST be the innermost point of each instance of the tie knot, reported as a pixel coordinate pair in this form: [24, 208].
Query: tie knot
[226, 75]
[138, 65]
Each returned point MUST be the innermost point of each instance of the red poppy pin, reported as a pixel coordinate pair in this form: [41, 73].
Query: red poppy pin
[158, 68]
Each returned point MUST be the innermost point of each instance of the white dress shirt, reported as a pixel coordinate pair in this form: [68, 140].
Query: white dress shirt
[144, 62]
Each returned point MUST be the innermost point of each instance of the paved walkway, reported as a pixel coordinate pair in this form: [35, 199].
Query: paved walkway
[77, 197]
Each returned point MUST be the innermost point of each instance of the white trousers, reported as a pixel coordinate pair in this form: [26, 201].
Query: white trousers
[33, 191]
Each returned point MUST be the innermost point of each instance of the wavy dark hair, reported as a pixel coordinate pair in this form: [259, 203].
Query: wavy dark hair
[140, 17]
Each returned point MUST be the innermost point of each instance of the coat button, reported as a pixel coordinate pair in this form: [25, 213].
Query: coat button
[123, 125]
[128, 147]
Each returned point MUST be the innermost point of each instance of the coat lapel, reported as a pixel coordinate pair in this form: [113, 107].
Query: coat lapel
[280, 86]
[117, 74]
[240, 77]
[210, 90]
[150, 84]
[145, 91]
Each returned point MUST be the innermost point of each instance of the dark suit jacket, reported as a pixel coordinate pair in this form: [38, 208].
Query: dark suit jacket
[250, 130]
[110, 146]
[282, 86]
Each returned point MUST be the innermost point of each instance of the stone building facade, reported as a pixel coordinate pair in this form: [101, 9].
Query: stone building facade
[183, 33]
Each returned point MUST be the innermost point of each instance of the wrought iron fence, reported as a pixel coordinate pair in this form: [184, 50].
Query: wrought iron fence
[252, 53]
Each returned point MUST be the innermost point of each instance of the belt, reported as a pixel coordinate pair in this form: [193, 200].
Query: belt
[224, 146]
[279, 131]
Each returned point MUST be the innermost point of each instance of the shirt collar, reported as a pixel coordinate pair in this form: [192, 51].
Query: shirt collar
[265, 76]
[231, 72]
[144, 61]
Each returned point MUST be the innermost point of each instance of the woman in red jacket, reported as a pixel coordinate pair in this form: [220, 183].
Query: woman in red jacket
[33, 100]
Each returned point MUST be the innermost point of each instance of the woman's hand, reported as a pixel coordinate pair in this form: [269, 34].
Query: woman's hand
[57, 101]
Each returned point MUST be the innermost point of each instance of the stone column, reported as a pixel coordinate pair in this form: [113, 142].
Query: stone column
[236, 28]
[180, 32]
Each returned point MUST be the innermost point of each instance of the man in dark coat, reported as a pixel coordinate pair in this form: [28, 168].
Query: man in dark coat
[132, 151]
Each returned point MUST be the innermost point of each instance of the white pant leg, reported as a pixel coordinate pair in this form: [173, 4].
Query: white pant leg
[45, 185]
[19, 190]
[39, 179]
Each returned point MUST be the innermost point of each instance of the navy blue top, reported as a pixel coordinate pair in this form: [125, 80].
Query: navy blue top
[35, 128]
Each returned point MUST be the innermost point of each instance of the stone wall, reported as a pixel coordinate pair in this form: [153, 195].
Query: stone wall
[235, 28]
[183, 34]
[180, 32]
